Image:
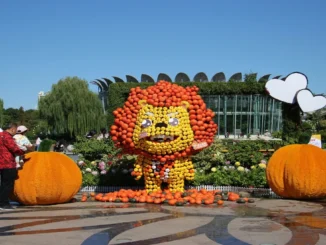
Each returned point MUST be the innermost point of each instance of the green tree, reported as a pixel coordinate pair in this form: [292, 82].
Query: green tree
[71, 108]
[11, 115]
[291, 123]
[250, 78]
[32, 118]
[21, 115]
[316, 119]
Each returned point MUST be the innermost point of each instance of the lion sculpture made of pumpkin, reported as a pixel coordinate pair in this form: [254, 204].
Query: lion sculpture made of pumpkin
[164, 125]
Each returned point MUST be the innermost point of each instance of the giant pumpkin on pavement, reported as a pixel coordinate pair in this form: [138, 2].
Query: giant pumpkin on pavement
[298, 171]
[47, 178]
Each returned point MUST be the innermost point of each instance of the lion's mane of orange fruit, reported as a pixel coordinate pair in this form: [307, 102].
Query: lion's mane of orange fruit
[163, 94]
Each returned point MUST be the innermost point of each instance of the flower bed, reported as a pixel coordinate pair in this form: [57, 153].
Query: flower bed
[242, 165]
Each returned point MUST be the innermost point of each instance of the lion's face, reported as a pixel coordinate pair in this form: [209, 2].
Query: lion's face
[163, 130]
[165, 121]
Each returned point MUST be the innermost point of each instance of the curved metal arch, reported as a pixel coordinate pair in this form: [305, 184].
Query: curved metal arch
[219, 77]
[104, 85]
[131, 79]
[108, 81]
[264, 78]
[181, 77]
[277, 77]
[146, 79]
[99, 85]
[236, 77]
[118, 80]
[163, 76]
[200, 77]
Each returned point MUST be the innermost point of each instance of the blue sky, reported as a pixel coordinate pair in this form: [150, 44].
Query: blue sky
[44, 41]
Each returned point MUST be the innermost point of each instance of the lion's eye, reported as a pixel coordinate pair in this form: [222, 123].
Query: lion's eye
[146, 123]
[173, 121]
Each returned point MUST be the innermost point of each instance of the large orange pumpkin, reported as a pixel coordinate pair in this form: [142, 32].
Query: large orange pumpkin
[298, 171]
[47, 178]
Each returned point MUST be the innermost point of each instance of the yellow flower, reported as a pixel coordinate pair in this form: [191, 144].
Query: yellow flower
[253, 167]
[237, 164]
[262, 165]
[241, 169]
[213, 169]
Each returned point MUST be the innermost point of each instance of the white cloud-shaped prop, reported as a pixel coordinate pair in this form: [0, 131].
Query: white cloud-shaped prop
[308, 102]
[286, 91]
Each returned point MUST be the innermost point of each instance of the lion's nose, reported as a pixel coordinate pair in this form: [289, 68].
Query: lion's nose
[161, 125]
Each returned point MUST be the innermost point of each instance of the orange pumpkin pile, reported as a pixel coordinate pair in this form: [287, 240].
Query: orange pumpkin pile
[164, 95]
[192, 196]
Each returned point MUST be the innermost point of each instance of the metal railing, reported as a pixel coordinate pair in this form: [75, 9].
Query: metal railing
[256, 192]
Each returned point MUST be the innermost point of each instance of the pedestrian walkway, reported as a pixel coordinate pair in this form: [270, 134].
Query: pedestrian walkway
[266, 221]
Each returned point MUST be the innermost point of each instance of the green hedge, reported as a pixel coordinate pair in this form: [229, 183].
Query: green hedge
[45, 145]
[118, 92]
[293, 131]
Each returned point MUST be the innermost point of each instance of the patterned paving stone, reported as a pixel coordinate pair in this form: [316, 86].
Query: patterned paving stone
[206, 210]
[291, 206]
[259, 231]
[161, 229]
[13, 222]
[65, 238]
[194, 240]
[311, 221]
[92, 223]
[49, 213]
[107, 220]
[322, 240]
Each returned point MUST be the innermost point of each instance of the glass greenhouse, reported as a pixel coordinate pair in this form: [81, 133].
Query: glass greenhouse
[245, 114]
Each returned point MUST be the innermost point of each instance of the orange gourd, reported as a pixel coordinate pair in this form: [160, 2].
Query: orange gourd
[47, 178]
[298, 171]
[198, 201]
[157, 201]
[105, 199]
[142, 199]
[233, 196]
[98, 197]
[220, 202]
[149, 200]
[125, 199]
[172, 202]
[192, 201]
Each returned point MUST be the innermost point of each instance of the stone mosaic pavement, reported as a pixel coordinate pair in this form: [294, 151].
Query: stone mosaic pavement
[266, 221]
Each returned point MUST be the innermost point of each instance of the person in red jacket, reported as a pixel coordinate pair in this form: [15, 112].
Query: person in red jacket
[8, 171]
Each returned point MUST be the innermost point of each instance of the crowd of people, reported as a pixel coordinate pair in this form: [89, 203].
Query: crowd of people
[93, 134]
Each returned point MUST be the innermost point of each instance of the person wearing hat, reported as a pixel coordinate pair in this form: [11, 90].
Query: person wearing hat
[22, 141]
[8, 171]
